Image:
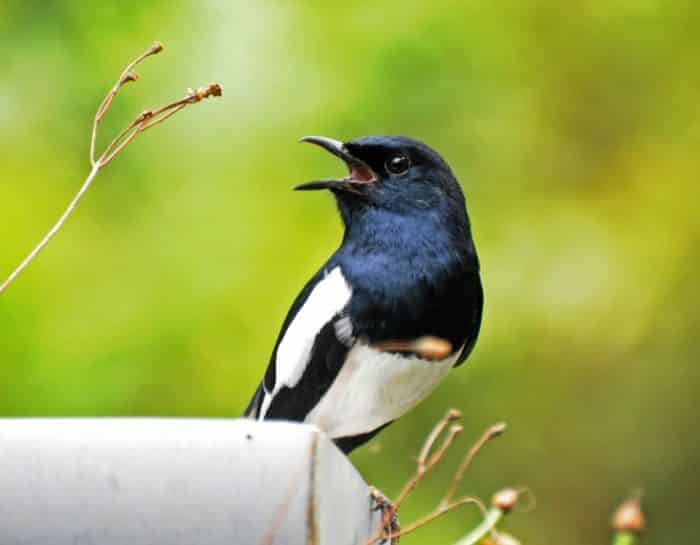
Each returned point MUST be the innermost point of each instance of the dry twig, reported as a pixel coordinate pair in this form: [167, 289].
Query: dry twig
[491, 433]
[425, 463]
[502, 503]
[144, 121]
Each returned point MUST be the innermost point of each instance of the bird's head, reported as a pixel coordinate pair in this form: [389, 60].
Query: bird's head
[393, 173]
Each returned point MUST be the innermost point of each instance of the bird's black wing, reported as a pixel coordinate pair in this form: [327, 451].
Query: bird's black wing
[476, 304]
[268, 382]
[330, 344]
[327, 357]
[253, 408]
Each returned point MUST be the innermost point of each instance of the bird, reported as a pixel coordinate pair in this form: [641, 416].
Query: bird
[395, 307]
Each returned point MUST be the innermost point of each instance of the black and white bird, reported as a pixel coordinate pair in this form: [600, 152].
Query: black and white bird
[397, 306]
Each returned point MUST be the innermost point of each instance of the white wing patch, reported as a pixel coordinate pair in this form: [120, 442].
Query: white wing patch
[374, 388]
[326, 300]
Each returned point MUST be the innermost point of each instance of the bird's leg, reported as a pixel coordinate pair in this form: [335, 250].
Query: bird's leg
[390, 520]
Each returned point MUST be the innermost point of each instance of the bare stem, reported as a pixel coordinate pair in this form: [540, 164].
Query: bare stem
[146, 120]
[44, 241]
[491, 433]
[452, 415]
[428, 458]
[625, 538]
[437, 513]
[487, 525]
[424, 466]
[120, 137]
[427, 519]
[126, 76]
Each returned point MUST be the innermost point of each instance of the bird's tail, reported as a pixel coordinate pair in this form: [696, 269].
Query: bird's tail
[253, 409]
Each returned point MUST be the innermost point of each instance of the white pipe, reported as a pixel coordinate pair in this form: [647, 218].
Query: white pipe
[177, 482]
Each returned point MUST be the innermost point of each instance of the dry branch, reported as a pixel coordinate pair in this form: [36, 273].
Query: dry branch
[144, 121]
[430, 455]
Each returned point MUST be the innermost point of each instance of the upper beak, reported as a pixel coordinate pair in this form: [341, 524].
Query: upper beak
[360, 172]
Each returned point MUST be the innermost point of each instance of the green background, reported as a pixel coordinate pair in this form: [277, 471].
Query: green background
[574, 128]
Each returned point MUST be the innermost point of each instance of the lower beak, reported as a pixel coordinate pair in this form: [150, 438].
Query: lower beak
[360, 173]
[338, 185]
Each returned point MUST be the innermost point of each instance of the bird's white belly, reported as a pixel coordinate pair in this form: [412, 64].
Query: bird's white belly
[374, 388]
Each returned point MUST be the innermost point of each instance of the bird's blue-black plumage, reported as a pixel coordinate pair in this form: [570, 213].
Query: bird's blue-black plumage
[408, 257]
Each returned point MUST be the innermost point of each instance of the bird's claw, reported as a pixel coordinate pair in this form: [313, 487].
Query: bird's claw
[390, 520]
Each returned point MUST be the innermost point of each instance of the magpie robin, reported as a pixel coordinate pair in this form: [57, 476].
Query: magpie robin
[348, 358]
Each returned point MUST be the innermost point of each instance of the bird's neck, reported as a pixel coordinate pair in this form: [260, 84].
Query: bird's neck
[426, 235]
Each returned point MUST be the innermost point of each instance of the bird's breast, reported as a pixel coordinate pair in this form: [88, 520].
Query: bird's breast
[374, 388]
[397, 302]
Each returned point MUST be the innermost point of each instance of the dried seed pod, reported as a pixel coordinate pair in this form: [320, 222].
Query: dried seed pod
[454, 414]
[629, 517]
[215, 89]
[505, 499]
[129, 76]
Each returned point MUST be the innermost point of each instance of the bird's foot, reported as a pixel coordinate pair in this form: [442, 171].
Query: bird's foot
[390, 520]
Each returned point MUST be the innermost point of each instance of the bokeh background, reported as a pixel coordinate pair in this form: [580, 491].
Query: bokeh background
[573, 126]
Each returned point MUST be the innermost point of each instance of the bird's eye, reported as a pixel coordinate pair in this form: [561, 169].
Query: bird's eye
[398, 164]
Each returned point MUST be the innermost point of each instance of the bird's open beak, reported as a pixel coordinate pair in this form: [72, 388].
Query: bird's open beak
[360, 174]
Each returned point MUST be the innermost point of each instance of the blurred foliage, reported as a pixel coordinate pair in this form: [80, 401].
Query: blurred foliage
[574, 128]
